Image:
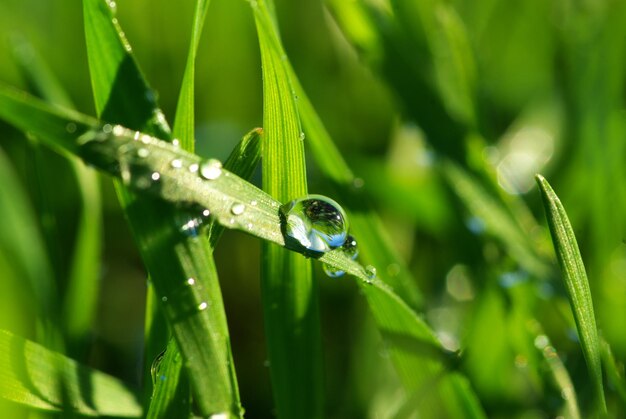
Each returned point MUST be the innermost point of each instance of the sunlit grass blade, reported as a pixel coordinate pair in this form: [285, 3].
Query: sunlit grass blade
[42, 379]
[374, 244]
[400, 326]
[195, 314]
[184, 120]
[101, 145]
[79, 305]
[576, 284]
[290, 300]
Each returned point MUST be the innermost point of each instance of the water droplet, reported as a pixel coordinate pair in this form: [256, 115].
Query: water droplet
[237, 209]
[221, 415]
[177, 163]
[358, 183]
[191, 226]
[253, 203]
[350, 247]
[302, 136]
[156, 176]
[176, 143]
[193, 168]
[143, 152]
[164, 299]
[202, 306]
[107, 128]
[112, 5]
[370, 272]
[211, 169]
[191, 281]
[332, 272]
[118, 130]
[315, 222]
[70, 127]
[145, 139]
[137, 135]
[206, 212]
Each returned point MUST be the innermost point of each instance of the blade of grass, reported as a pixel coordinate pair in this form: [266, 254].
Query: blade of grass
[413, 346]
[184, 120]
[614, 375]
[28, 374]
[195, 313]
[576, 284]
[290, 300]
[82, 290]
[171, 396]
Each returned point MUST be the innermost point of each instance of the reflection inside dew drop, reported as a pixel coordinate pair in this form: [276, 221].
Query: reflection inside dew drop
[315, 222]
[350, 247]
[332, 272]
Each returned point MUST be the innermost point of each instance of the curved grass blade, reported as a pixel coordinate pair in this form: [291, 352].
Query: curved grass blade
[28, 374]
[82, 290]
[184, 120]
[290, 301]
[576, 284]
[413, 346]
[613, 373]
[196, 315]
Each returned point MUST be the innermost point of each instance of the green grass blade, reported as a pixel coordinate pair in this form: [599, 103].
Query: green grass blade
[21, 242]
[576, 284]
[290, 301]
[184, 120]
[613, 373]
[195, 313]
[82, 290]
[171, 396]
[28, 375]
[101, 147]
[374, 244]
[412, 344]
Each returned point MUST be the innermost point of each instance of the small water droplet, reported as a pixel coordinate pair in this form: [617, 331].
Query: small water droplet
[191, 226]
[221, 415]
[145, 139]
[137, 135]
[315, 222]
[237, 209]
[155, 176]
[70, 127]
[118, 130]
[202, 306]
[193, 168]
[143, 152]
[253, 203]
[370, 272]
[358, 183]
[302, 136]
[231, 221]
[249, 226]
[191, 281]
[332, 272]
[176, 143]
[164, 299]
[107, 128]
[177, 163]
[211, 169]
[206, 212]
[350, 247]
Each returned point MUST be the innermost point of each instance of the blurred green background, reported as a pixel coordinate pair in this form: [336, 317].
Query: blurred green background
[548, 97]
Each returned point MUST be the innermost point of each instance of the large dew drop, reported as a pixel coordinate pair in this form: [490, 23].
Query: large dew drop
[316, 222]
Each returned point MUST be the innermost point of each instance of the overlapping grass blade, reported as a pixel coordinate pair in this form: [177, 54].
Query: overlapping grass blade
[290, 301]
[171, 396]
[195, 314]
[79, 303]
[613, 373]
[30, 375]
[184, 120]
[576, 284]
